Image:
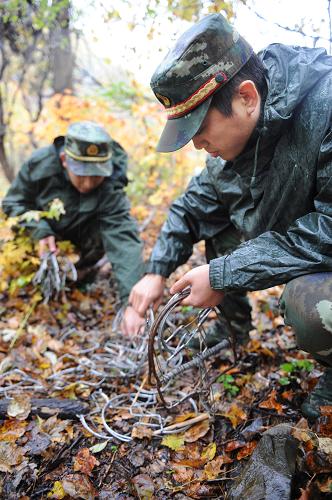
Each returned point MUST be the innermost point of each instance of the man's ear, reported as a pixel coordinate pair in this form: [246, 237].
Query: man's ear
[62, 156]
[249, 96]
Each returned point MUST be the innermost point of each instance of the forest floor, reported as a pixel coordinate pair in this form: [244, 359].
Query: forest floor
[66, 350]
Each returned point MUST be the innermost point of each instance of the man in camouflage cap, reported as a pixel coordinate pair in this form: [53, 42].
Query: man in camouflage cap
[263, 202]
[86, 170]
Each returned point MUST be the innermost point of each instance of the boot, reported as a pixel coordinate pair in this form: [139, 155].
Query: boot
[219, 331]
[320, 396]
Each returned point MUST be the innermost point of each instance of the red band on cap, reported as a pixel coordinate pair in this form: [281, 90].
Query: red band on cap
[200, 95]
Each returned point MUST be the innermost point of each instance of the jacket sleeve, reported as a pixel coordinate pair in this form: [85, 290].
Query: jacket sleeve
[20, 198]
[273, 259]
[122, 243]
[120, 164]
[196, 215]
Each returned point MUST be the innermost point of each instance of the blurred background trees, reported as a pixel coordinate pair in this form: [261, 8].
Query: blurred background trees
[50, 76]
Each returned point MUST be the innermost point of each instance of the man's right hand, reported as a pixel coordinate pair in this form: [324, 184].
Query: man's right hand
[147, 292]
[47, 245]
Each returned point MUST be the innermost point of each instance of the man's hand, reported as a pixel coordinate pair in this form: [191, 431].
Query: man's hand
[47, 245]
[201, 295]
[132, 322]
[147, 292]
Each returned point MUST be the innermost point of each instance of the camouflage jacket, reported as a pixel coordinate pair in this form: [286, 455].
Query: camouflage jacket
[277, 192]
[42, 179]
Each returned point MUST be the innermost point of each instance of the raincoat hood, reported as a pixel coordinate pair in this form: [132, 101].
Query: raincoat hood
[291, 73]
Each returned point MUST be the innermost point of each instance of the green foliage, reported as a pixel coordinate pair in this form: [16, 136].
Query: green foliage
[42, 13]
[229, 385]
[296, 365]
[293, 368]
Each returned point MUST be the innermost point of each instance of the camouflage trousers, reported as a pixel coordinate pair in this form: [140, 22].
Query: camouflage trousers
[306, 303]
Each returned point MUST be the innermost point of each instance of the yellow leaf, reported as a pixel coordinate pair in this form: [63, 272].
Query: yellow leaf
[173, 441]
[209, 452]
[57, 492]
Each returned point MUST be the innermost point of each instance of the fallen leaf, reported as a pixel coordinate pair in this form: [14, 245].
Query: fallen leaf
[173, 441]
[144, 486]
[184, 417]
[197, 431]
[12, 429]
[209, 452]
[289, 395]
[271, 403]
[235, 414]
[10, 455]
[98, 447]
[234, 445]
[324, 424]
[325, 486]
[79, 486]
[182, 474]
[213, 468]
[19, 407]
[141, 432]
[85, 462]
[57, 491]
[246, 450]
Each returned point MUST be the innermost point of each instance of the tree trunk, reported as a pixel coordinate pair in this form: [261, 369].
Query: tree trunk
[61, 52]
[7, 169]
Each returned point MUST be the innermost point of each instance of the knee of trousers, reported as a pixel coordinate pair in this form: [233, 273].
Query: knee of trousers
[306, 305]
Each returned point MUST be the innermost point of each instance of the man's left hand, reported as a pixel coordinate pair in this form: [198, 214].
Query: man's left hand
[132, 322]
[201, 294]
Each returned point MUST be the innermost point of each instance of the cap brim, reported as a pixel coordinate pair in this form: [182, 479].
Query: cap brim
[81, 168]
[179, 131]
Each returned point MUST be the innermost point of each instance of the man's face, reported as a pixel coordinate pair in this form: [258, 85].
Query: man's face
[226, 136]
[83, 183]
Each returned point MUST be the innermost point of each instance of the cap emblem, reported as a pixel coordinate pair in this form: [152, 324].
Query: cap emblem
[164, 100]
[92, 150]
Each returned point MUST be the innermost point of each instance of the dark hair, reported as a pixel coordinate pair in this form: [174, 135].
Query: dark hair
[252, 70]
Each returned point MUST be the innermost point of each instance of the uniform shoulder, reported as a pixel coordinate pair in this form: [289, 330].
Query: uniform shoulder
[44, 162]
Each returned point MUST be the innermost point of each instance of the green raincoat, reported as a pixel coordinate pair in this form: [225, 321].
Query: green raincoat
[104, 210]
[277, 192]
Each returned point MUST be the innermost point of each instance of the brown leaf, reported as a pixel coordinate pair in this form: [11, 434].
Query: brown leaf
[324, 424]
[141, 432]
[197, 431]
[85, 462]
[19, 407]
[12, 429]
[246, 450]
[182, 474]
[144, 486]
[325, 486]
[186, 416]
[212, 469]
[289, 395]
[235, 414]
[10, 455]
[271, 403]
[79, 486]
[234, 445]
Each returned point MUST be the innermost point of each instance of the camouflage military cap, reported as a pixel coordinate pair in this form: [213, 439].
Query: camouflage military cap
[88, 149]
[203, 60]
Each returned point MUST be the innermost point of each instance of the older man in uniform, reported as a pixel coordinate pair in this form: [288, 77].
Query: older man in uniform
[264, 202]
[86, 170]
